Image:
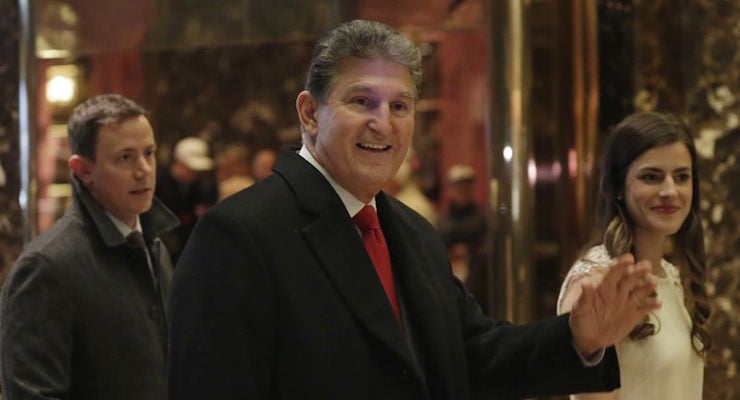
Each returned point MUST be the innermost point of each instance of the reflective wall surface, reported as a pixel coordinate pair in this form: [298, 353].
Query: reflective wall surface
[690, 63]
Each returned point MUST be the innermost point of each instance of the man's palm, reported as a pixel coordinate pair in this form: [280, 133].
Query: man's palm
[612, 303]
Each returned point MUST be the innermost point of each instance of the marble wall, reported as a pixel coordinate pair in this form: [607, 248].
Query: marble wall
[10, 214]
[242, 93]
[689, 63]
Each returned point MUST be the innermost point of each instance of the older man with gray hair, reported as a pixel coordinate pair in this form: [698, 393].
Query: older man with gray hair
[314, 284]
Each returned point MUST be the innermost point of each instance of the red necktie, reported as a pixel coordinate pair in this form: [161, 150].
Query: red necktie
[377, 248]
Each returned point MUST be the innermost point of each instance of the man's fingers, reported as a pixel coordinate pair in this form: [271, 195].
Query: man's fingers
[635, 276]
[617, 269]
[627, 258]
[587, 293]
[639, 280]
[644, 296]
[616, 283]
[645, 288]
[643, 267]
[650, 303]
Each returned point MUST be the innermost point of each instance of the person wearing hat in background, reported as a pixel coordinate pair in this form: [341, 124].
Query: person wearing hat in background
[187, 187]
[262, 163]
[463, 228]
[403, 186]
[233, 169]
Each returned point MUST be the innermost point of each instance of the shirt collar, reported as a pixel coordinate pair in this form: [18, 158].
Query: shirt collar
[122, 227]
[351, 203]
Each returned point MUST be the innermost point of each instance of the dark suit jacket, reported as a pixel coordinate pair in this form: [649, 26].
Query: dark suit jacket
[275, 297]
[80, 316]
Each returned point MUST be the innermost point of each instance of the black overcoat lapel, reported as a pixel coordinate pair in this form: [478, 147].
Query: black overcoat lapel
[421, 291]
[332, 237]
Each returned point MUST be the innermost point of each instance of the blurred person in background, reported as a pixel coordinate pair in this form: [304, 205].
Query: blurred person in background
[464, 226]
[233, 169]
[404, 188]
[188, 188]
[262, 163]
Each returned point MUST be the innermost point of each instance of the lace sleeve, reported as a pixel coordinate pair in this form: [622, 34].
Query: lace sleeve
[673, 275]
[594, 261]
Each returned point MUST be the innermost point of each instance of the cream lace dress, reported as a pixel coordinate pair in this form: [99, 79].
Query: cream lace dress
[662, 366]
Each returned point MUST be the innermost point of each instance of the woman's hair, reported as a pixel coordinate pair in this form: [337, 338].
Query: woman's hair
[636, 134]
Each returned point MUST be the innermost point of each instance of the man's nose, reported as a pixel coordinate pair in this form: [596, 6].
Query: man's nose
[144, 167]
[380, 121]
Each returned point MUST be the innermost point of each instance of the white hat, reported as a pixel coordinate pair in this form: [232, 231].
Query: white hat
[193, 152]
[460, 173]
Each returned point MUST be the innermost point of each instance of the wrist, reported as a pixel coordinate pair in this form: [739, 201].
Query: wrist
[585, 347]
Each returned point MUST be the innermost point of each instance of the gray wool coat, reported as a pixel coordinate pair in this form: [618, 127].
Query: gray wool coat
[80, 317]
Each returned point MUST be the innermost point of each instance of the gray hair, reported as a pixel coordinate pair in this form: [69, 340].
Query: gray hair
[368, 40]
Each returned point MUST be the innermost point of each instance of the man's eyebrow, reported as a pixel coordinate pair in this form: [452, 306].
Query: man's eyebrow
[134, 149]
[409, 95]
[358, 88]
[355, 88]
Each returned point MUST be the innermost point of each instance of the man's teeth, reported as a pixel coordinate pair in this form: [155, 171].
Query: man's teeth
[373, 146]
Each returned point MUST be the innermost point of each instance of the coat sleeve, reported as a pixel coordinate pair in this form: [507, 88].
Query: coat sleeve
[536, 359]
[222, 315]
[36, 331]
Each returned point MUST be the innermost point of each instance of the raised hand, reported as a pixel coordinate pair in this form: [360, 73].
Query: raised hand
[612, 304]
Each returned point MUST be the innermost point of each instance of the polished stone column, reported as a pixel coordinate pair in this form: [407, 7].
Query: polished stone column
[11, 236]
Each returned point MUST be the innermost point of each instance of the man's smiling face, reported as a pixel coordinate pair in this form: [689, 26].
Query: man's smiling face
[365, 125]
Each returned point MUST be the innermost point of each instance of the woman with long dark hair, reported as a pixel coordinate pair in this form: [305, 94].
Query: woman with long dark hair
[648, 205]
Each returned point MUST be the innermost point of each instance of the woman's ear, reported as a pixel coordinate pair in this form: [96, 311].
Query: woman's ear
[81, 167]
[307, 106]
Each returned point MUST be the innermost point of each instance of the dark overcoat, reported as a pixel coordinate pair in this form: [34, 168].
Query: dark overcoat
[80, 316]
[275, 297]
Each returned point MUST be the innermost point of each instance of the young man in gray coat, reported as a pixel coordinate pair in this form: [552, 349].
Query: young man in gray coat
[82, 312]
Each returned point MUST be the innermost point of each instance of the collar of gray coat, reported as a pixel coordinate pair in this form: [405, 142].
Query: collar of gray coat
[158, 220]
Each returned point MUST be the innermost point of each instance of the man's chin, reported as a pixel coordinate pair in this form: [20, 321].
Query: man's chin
[145, 207]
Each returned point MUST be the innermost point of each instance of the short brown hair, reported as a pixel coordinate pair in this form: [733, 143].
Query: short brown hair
[88, 117]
